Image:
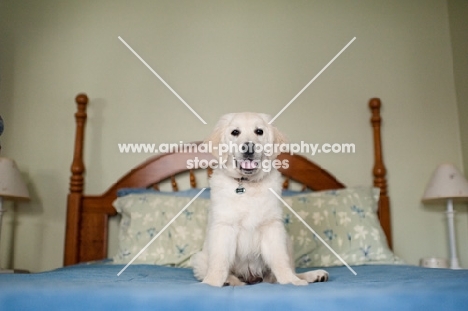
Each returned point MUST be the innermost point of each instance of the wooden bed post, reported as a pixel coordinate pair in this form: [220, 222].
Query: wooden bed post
[72, 234]
[380, 171]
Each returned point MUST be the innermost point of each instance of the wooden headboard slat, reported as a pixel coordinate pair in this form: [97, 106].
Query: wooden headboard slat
[87, 216]
[193, 180]
[174, 185]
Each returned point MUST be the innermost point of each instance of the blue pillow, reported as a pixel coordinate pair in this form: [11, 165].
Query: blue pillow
[291, 193]
[190, 193]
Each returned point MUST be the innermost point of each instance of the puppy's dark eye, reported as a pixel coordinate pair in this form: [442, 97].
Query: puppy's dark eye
[235, 133]
[259, 132]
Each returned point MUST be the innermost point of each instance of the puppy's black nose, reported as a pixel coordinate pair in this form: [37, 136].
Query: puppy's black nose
[248, 149]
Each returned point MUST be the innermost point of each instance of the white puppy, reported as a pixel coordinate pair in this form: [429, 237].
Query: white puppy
[246, 241]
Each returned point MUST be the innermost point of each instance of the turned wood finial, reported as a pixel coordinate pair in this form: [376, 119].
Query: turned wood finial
[82, 100]
[77, 167]
[374, 103]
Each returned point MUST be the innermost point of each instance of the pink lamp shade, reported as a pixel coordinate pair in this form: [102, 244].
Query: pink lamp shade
[12, 186]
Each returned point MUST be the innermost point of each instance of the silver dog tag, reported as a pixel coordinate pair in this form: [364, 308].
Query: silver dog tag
[240, 190]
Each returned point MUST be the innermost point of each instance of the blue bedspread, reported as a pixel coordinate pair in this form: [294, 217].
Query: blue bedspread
[145, 287]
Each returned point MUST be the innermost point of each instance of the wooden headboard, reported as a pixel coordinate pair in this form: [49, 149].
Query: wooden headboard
[86, 234]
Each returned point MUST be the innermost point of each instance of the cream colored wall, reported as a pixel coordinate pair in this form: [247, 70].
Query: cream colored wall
[458, 11]
[223, 57]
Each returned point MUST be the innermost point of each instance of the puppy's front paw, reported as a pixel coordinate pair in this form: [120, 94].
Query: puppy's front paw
[213, 281]
[316, 276]
[233, 280]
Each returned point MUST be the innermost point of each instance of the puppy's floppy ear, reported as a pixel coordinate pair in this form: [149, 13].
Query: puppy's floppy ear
[276, 136]
[217, 135]
[278, 139]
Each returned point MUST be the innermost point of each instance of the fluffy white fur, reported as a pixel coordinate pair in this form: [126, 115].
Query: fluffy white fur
[246, 241]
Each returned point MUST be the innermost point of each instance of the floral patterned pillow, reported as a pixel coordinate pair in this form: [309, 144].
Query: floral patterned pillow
[346, 219]
[145, 214]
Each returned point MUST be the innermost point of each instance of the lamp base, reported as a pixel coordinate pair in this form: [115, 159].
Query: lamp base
[454, 265]
[451, 231]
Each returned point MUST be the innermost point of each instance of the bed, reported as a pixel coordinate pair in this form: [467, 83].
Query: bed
[89, 279]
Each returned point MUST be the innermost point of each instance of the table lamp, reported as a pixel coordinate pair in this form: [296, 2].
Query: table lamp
[12, 187]
[448, 184]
